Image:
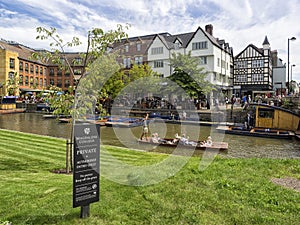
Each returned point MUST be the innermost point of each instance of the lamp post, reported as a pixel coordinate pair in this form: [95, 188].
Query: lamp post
[288, 67]
[292, 74]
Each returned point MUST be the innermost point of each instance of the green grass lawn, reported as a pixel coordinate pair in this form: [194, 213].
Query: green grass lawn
[229, 191]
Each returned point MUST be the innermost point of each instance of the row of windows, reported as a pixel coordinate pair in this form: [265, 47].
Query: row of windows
[137, 60]
[254, 63]
[254, 78]
[59, 73]
[26, 80]
[32, 81]
[157, 50]
[160, 63]
[199, 45]
[195, 46]
[38, 69]
[138, 47]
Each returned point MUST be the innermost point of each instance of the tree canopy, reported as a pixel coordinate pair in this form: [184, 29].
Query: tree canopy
[189, 75]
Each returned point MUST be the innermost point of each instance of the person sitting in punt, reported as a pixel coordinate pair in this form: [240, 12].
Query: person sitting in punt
[176, 139]
[207, 143]
[155, 138]
[184, 140]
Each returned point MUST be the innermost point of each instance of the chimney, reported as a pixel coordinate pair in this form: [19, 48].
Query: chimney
[209, 29]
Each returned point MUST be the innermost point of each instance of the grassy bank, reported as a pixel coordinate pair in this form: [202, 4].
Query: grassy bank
[229, 191]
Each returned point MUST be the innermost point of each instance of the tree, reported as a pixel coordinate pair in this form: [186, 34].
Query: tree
[141, 80]
[188, 66]
[12, 84]
[97, 43]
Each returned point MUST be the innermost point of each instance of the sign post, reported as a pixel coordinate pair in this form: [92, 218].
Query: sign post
[86, 166]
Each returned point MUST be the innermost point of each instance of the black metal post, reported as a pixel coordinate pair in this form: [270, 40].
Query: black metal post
[85, 211]
[288, 68]
[67, 156]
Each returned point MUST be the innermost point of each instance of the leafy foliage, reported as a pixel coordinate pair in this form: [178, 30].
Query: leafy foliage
[188, 75]
[12, 84]
[61, 102]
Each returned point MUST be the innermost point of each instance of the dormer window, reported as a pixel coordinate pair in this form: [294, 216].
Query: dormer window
[138, 47]
[126, 48]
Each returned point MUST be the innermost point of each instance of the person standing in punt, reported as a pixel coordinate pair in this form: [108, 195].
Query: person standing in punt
[145, 128]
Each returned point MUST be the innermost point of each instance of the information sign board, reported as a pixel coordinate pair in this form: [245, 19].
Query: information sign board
[86, 164]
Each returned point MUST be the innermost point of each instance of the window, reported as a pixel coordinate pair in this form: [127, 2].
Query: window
[241, 64]
[258, 63]
[241, 78]
[157, 50]
[218, 62]
[138, 60]
[158, 64]
[77, 71]
[31, 80]
[176, 46]
[26, 67]
[45, 71]
[21, 80]
[199, 45]
[67, 83]
[21, 66]
[257, 77]
[36, 81]
[41, 70]
[31, 68]
[265, 113]
[36, 69]
[126, 62]
[59, 83]
[41, 82]
[51, 71]
[138, 47]
[11, 75]
[59, 73]
[45, 82]
[51, 81]
[223, 64]
[67, 72]
[203, 60]
[12, 63]
[26, 81]
[126, 48]
[77, 61]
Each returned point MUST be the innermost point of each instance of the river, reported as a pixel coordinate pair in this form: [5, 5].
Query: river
[239, 146]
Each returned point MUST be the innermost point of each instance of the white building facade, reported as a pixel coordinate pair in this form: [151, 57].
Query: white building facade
[215, 55]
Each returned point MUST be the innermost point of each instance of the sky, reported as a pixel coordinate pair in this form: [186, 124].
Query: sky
[239, 22]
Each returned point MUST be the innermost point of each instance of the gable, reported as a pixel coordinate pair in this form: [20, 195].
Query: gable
[250, 51]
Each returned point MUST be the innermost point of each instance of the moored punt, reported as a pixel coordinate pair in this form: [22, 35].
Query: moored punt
[256, 132]
[65, 120]
[124, 122]
[9, 111]
[199, 145]
[51, 116]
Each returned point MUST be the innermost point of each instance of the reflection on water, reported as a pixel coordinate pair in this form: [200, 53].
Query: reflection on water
[239, 146]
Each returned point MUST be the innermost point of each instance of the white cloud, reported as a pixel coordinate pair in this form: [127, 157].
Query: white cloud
[239, 22]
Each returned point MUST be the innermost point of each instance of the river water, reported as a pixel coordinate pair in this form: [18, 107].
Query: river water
[239, 146]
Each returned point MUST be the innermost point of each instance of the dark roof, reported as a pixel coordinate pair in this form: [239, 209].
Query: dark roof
[23, 51]
[266, 41]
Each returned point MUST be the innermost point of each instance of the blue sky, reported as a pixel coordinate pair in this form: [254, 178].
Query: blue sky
[239, 22]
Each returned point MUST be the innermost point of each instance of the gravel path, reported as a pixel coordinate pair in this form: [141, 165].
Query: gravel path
[288, 182]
